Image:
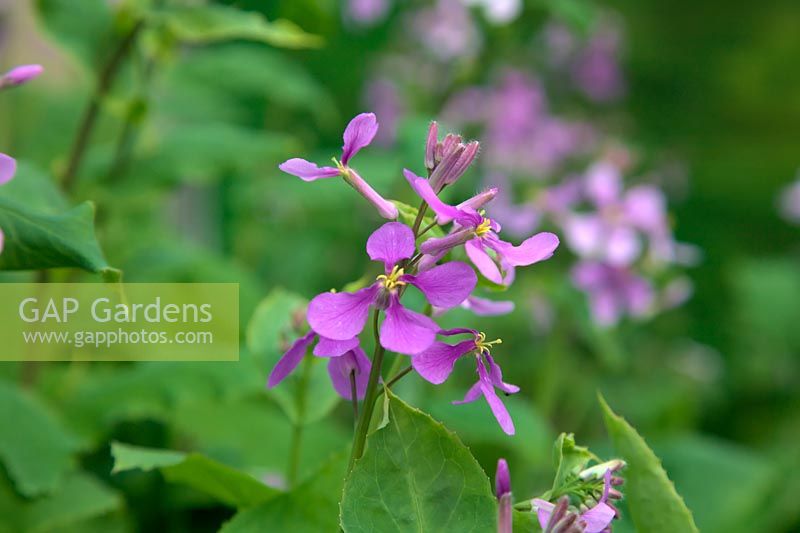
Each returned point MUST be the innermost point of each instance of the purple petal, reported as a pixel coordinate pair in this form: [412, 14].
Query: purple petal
[622, 246]
[332, 348]
[436, 247]
[444, 213]
[496, 377]
[603, 183]
[445, 285]
[481, 259]
[472, 394]
[385, 208]
[404, 331]
[485, 307]
[341, 316]
[543, 511]
[358, 134]
[391, 243]
[534, 249]
[584, 233]
[290, 359]
[21, 74]
[306, 170]
[458, 331]
[8, 166]
[479, 200]
[645, 207]
[502, 478]
[2, 240]
[436, 363]
[495, 403]
[598, 517]
[339, 369]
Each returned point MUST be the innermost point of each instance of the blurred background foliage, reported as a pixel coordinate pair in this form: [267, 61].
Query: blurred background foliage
[182, 167]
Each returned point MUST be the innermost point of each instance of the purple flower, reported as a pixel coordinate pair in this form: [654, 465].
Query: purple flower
[367, 12]
[789, 202]
[436, 364]
[8, 166]
[596, 520]
[448, 159]
[493, 257]
[19, 75]
[447, 30]
[359, 133]
[346, 357]
[596, 71]
[384, 97]
[342, 316]
[502, 483]
[613, 291]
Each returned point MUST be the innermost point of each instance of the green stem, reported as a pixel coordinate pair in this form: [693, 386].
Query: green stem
[398, 376]
[297, 433]
[354, 395]
[423, 207]
[360, 437]
[89, 120]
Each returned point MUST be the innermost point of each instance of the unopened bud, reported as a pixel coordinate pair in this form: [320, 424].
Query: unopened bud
[430, 146]
[19, 75]
[599, 470]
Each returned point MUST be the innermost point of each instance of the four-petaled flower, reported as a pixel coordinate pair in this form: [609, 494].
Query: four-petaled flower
[342, 316]
[595, 520]
[346, 358]
[436, 364]
[359, 133]
[494, 257]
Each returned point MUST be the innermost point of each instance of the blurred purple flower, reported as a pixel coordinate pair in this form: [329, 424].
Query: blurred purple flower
[502, 483]
[342, 316]
[367, 12]
[596, 71]
[383, 96]
[8, 167]
[498, 11]
[346, 357]
[478, 234]
[613, 291]
[19, 75]
[789, 202]
[596, 520]
[447, 30]
[359, 133]
[435, 364]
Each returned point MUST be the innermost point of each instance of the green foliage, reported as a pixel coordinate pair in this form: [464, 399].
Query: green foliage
[214, 23]
[653, 502]
[225, 484]
[34, 448]
[80, 497]
[82, 26]
[417, 476]
[569, 459]
[310, 508]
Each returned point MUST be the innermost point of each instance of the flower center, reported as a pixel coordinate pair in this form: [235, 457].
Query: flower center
[392, 280]
[343, 170]
[484, 227]
[484, 346]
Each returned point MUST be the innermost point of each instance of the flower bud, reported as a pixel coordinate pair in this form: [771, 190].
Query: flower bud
[19, 75]
[479, 200]
[599, 470]
[430, 146]
[502, 479]
[467, 157]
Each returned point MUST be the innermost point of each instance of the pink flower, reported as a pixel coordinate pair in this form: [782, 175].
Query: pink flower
[613, 291]
[596, 520]
[436, 363]
[359, 133]
[342, 316]
[19, 75]
[8, 167]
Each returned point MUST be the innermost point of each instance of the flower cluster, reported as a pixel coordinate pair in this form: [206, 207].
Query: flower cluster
[592, 491]
[12, 78]
[337, 319]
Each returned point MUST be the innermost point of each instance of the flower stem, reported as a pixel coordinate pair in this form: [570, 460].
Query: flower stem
[297, 433]
[427, 228]
[360, 437]
[423, 207]
[398, 376]
[104, 82]
[354, 395]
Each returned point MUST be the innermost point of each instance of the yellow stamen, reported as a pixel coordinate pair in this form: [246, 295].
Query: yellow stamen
[484, 227]
[392, 281]
[484, 346]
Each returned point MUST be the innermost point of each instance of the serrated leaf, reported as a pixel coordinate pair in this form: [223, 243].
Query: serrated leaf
[310, 508]
[224, 483]
[37, 241]
[217, 23]
[653, 503]
[35, 450]
[416, 476]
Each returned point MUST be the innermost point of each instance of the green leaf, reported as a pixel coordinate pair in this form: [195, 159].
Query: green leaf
[227, 485]
[312, 507]
[37, 241]
[269, 334]
[216, 23]
[82, 26]
[35, 189]
[654, 504]
[417, 476]
[569, 459]
[79, 498]
[35, 449]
